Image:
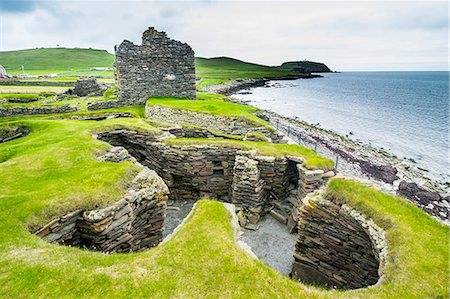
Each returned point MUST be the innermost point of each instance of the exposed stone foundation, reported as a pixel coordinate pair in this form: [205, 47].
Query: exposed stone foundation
[88, 86]
[159, 67]
[228, 125]
[131, 224]
[11, 133]
[337, 247]
[16, 111]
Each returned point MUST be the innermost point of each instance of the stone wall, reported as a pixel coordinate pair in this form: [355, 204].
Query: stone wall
[195, 171]
[228, 125]
[337, 247]
[159, 67]
[131, 224]
[23, 110]
[105, 105]
[9, 133]
[88, 86]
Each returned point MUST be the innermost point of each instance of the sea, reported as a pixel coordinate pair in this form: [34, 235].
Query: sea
[406, 113]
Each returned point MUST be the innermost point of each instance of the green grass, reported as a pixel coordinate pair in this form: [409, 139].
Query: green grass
[53, 170]
[313, 161]
[19, 95]
[418, 253]
[213, 104]
[31, 89]
[54, 60]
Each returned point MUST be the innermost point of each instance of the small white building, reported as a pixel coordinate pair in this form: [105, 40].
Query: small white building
[2, 71]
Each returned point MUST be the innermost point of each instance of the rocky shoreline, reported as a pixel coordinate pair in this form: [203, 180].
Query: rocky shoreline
[356, 159]
[234, 86]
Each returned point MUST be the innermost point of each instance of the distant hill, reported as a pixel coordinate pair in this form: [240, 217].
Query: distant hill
[229, 64]
[305, 67]
[58, 59]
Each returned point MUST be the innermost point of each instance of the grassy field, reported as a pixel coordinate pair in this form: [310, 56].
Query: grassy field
[54, 60]
[53, 170]
[71, 63]
[30, 89]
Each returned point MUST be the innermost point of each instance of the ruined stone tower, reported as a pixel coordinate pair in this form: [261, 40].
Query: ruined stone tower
[159, 67]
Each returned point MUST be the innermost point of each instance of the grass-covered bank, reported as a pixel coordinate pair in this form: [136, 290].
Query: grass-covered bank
[214, 104]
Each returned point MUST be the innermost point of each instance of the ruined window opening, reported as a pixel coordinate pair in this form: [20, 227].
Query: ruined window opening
[218, 172]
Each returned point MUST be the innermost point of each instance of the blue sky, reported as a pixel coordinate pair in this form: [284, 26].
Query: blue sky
[357, 35]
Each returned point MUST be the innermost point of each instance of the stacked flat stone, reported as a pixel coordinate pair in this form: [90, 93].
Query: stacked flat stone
[333, 248]
[23, 110]
[206, 170]
[88, 86]
[224, 124]
[248, 190]
[159, 67]
[131, 224]
[105, 105]
[309, 180]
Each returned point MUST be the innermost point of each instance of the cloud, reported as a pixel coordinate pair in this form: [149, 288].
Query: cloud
[361, 35]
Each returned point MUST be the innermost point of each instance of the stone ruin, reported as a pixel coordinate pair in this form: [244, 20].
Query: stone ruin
[336, 247]
[159, 67]
[88, 86]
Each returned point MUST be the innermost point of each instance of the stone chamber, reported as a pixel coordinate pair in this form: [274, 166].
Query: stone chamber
[336, 247]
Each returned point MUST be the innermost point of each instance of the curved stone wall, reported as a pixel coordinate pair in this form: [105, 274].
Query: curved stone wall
[337, 247]
[131, 224]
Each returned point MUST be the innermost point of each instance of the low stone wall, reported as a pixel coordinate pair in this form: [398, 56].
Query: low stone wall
[11, 133]
[22, 110]
[131, 224]
[228, 125]
[104, 105]
[337, 247]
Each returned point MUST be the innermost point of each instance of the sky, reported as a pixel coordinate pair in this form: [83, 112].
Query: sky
[357, 35]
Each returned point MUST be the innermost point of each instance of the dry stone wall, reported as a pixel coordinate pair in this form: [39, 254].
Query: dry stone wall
[131, 224]
[195, 171]
[88, 86]
[228, 125]
[159, 67]
[23, 110]
[337, 247]
[13, 132]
